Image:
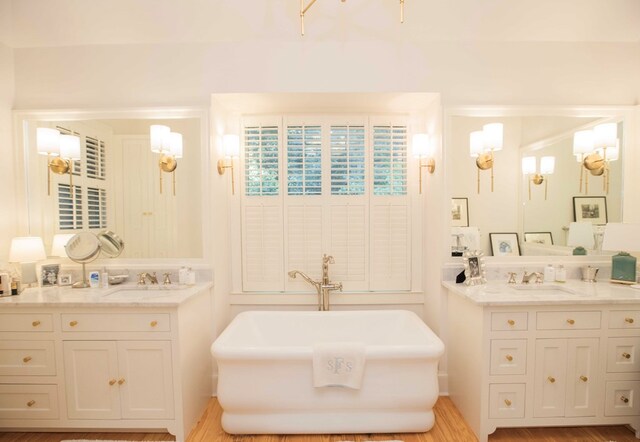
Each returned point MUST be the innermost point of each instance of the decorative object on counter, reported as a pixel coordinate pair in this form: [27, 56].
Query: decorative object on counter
[94, 279]
[592, 209]
[460, 277]
[459, 212]
[504, 244]
[5, 284]
[618, 237]
[422, 149]
[27, 250]
[474, 271]
[483, 143]
[589, 273]
[64, 279]
[529, 170]
[84, 247]
[579, 251]
[561, 274]
[119, 278]
[49, 274]
[539, 238]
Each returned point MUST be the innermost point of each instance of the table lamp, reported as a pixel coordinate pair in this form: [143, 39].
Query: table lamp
[581, 236]
[622, 236]
[59, 241]
[27, 250]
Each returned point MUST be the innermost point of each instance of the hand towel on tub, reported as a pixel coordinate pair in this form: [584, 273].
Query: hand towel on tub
[338, 364]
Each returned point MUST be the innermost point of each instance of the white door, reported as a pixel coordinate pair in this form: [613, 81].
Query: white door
[91, 377]
[550, 378]
[147, 390]
[582, 366]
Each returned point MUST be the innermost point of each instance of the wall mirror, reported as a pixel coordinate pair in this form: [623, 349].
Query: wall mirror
[116, 182]
[517, 204]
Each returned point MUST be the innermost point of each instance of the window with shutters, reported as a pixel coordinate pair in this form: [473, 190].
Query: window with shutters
[345, 194]
[70, 207]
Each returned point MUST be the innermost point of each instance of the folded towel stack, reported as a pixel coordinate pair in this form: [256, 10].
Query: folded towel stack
[338, 364]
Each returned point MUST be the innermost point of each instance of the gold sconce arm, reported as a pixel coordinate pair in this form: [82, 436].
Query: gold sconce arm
[58, 166]
[168, 164]
[223, 165]
[429, 164]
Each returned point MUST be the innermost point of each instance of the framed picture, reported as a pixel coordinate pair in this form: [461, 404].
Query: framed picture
[539, 238]
[459, 212]
[590, 209]
[474, 267]
[504, 244]
[64, 279]
[50, 274]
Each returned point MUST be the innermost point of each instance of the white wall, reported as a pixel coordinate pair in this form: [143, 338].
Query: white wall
[7, 176]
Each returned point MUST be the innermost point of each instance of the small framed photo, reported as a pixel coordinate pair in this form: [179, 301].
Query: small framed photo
[539, 238]
[474, 267]
[504, 244]
[590, 209]
[50, 274]
[64, 279]
[459, 212]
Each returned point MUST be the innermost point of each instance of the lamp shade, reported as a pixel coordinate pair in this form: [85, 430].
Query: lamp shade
[528, 165]
[231, 145]
[611, 153]
[70, 147]
[547, 165]
[605, 135]
[26, 249]
[493, 136]
[175, 144]
[48, 141]
[59, 241]
[581, 234]
[159, 137]
[621, 237]
[421, 146]
[476, 143]
[583, 142]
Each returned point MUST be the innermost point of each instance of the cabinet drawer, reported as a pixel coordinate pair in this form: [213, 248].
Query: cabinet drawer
[506, 401]
[620, 398]
[119, 322]
[25, 322]
[24, 358]
[508, 321]
[624, 319]
[567, 320]
[28, 402]
[508, 356]
[622, 355]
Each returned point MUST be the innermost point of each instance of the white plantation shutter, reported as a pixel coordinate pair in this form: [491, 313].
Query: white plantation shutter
[347, 160]
[389, 159]
[349, 246]
[97, 208]
[262, 257]
[304, 243]
[304, 160]
[95, 159]
[70, 207]
[261, 165]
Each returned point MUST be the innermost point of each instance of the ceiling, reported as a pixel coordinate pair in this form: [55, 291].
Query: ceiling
[38, 23]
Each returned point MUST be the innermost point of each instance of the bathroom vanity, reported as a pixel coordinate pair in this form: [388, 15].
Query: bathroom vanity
[119, 359]
[546, 355]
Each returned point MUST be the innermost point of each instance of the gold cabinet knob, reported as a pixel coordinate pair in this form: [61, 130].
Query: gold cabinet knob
[73, 323]
[153, 323]
[511, 322]
[35, 323]
[26, 359]
[624, 399]
[509, 358]
[120, 381]
[507, 402]
[31, 403]
[583, 378]
[112, 382]
[626, 355]
[571, 321]
[551, 379]
[628, 320]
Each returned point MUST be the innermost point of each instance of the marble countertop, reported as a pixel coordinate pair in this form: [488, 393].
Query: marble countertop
[124, 295]
[572, 292]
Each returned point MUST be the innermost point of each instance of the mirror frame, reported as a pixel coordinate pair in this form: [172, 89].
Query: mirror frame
[623, 113]
[21, 166]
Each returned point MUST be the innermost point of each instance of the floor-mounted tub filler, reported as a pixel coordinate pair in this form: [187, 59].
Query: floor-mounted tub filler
[327, 372]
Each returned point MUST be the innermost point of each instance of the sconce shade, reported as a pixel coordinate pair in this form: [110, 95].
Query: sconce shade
[613, 153]
[621, 237]
[476, 143]
[59, 241]
[547, 165]
[175, 144]
[528, 165]
[48, 141]
[27, 249]
[159, 137]
[231, 145]
[582, 142]
[493, 136]
[421, 146]
[605, 135]
[70, 147]
[581, 234]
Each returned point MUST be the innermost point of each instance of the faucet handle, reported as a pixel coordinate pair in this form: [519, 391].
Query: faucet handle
[167, 278]
[539, 277]
[328, 259]
[339, 286]
[512, 278]
[141, 277]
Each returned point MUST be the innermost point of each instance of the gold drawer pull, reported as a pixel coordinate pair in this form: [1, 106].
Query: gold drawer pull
[511, 322]
[507, 402]
[121, 381]
[571, 321]
[583, 378]
[153, 323]
[112, 382]
[73, 323]
[26, 359]
[31, 403]
[626, 355]
[624, 399]
[509, 358]
[628, 320]
[551, 379]
[35, 323]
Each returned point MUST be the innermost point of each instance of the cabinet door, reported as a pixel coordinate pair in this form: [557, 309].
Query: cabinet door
[550, 378]
[91, 375]
[582, 366]
[147, 390]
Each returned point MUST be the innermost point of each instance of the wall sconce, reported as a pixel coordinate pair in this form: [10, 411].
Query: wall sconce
[594, 150]
[529, 170]
[27, 250]
[423, 150]
[169, 145]
[231, 147]
[65, 149]
[483, 143]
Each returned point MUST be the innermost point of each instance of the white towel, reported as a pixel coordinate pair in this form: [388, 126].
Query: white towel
[338, 364]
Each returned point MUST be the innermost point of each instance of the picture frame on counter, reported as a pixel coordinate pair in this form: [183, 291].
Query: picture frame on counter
[474, 270]
[49, 275]
[64, 279]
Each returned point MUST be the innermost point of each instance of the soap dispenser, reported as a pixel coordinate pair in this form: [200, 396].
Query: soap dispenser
[561, 274]
[549, 273]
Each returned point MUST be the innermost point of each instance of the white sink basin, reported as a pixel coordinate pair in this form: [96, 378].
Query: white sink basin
[140, 292]
[543, 288]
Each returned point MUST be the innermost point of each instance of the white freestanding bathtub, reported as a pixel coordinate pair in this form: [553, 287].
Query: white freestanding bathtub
[265, 383]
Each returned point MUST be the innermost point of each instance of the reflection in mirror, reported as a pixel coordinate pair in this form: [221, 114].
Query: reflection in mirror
[508, 208]
[115, 186]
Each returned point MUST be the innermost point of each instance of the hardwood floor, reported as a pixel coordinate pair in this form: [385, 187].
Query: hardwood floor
[449, 427]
